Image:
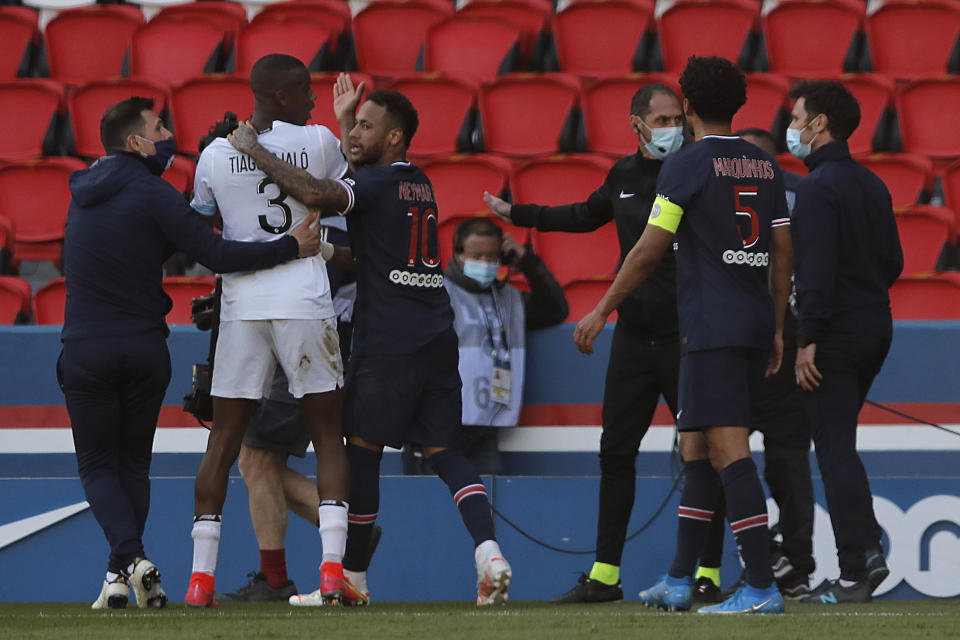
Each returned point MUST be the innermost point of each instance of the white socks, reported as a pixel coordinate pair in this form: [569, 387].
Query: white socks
[206, 544]
[332, 516]
[357, 579]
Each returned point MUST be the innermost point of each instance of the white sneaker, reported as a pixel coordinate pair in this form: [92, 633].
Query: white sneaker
[315, 599]
[145, 580]
[493, 574]
[113, 595]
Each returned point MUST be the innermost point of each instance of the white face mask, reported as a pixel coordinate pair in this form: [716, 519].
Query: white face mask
[797, 148]
[663, 140]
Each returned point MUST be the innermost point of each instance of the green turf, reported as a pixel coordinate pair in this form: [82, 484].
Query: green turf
[521, 620]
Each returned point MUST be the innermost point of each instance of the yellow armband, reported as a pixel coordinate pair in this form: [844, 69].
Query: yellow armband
[665, 215]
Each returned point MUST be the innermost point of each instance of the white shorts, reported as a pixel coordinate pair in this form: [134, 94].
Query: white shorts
[248, 352]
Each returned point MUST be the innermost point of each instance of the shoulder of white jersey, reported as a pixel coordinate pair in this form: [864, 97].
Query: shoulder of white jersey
[218, 145]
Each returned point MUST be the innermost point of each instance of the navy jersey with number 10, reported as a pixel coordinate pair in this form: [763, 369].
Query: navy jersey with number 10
[721, 196]
[401, 301]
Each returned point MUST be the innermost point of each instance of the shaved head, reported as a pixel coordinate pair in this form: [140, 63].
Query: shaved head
[276, 72]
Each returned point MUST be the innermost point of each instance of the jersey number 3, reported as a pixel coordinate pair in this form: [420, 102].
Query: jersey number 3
[424, 223]
[279, 203]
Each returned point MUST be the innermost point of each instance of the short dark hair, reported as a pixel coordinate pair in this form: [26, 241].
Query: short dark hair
[762, 135]
[271, 72]
[834, 101]
[399, 108]
[121, 120]
[640, 103]
[715, 88]
[475, 227]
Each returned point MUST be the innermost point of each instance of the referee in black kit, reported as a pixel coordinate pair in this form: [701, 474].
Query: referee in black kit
[124, 222]
[848, 255]
[645, 356]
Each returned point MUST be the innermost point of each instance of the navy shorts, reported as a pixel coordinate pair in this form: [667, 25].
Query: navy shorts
[720, 387]
[277, 424]
[406, 398]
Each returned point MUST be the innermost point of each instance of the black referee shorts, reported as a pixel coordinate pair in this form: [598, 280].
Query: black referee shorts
[406, 398]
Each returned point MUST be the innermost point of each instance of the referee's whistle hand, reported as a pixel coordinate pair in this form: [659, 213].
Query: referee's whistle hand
[587, 330]
[500, 207]
[308, 239]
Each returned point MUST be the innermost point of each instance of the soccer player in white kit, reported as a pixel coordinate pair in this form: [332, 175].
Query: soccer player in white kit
[275, 316]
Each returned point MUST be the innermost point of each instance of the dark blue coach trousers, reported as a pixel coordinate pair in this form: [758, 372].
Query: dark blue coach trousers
[114, 388]
[849, 359]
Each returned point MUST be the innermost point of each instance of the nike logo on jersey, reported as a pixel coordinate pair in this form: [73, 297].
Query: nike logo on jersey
[624, 196]
[16, 531]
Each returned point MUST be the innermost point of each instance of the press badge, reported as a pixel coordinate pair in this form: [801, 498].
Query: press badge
[501, 381]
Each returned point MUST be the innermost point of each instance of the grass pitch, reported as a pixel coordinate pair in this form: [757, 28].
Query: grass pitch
[520, 620]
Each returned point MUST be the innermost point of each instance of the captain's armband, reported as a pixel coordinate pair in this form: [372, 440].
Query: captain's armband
[665, 214]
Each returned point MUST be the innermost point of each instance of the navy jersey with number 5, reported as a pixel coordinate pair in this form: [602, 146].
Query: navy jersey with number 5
[721, 196]
[401, 301]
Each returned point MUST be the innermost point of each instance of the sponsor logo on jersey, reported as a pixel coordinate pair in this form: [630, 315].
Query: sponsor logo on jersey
[410, 279]
[748, 258]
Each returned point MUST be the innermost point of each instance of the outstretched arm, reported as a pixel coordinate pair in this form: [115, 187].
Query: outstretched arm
[316, 193]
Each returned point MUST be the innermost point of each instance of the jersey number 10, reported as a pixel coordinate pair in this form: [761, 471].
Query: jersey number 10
[425, 223]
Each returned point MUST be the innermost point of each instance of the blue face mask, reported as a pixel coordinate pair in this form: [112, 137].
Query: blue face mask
[483, 273]
[797, 148]
[663, 140]
[161, 160]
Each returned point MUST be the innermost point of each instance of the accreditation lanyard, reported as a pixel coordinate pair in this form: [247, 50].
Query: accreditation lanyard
[500, 386]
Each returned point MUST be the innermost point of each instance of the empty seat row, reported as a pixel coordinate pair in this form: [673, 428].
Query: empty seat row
[46, 306]
[461, 114]
[904, 39]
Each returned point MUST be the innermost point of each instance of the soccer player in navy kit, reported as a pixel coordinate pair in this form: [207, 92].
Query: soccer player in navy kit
[403, 384]
[721, 203]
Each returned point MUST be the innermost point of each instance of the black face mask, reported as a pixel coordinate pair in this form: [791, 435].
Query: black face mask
[161, 160]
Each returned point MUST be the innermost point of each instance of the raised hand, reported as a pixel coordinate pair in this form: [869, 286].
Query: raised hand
[346, 98]
[501, 208]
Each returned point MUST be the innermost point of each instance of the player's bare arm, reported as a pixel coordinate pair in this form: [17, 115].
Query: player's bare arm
[313, 192]
[343, 258]
[781, 269]
[636, 267]
[346, 98]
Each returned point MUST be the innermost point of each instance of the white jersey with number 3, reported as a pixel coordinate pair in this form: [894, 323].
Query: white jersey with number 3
[255, 210]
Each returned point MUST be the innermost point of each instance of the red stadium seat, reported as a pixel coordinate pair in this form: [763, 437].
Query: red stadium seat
[18, 37]
[525, 115]
[924, 230]
[90, 43]
[560, 180]
[583, 294]
[304, 39]
[31, 108]
[766, 102]
[333, 15]
[875, 95]
[928, 112]
[787, 28]
[200, 49]
[911, 39]
[201, 102]
[616, 53]
[705, 28]
[951, 186]
[35, 195]
[606, 109]
[449, 224]
[87, 105]
[926, 297]
[180, 174]
[8, 241]
[789, 162]
[480, 47]
[459, 182]
[14, 300]
[230, 16]
[322, 85]
[533, 20]
[447, 103]
[908, 177]
[49, 302]
[389, 34]
[182, 290]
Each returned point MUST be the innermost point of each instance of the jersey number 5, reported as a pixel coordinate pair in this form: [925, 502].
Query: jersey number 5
[425, 224]
[752, 218]
[279, 203]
